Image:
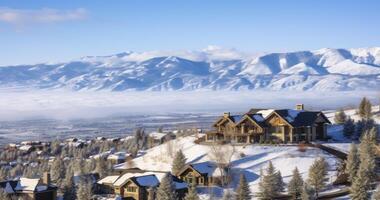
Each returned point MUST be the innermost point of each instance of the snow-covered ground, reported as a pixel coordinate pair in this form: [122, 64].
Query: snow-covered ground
[284, 158]
[338, 141]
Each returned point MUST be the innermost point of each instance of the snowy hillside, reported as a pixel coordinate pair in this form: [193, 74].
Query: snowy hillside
[284, 158]
[210, 69]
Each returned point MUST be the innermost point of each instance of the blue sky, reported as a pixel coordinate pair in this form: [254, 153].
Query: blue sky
[39, 31]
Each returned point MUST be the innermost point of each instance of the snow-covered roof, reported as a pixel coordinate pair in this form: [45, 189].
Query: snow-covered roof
[109, 179]
[118, 156]
[205, 168]
[29, 184]
[25, 147]
[157, 135]
[265, 113]
[147, 181]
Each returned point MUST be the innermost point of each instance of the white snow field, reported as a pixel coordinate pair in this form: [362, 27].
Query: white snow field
[284, 158]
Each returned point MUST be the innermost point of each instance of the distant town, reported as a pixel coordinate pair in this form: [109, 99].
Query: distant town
[262, 154]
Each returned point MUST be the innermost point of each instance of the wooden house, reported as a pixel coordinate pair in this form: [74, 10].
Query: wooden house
[136, 185]
[283, 125]
[30, 189]
[201, 174]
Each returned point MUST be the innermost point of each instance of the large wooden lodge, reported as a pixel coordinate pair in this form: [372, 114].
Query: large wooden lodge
[258, 125]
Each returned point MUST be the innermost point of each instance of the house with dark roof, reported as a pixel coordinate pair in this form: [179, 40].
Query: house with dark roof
[30, 189]
[137, 185]
[282, 125]
[202, 174]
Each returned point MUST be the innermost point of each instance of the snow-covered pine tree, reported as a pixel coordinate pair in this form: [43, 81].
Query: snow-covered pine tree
[101, 167]
[308, 192]
[340, 117]
[270, 176]
[360, 187]
[376, 194]
[84, 191]
[179, 162]
[243, 192]
[367, 155]
[166, 190]
[279, 182]
[192, 193]
[68, 188]
[267, 184]
[349, 128]
[57, 170]
[295, 185]
[317, 175]
[365, 109]
[352, 163]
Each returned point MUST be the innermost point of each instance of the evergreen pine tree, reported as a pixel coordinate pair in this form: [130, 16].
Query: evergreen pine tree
[360, 186]
[166, 190]
[279, 182]
[243, 192]
[57, 170]
[352, 163]
[365, 109]
[308, 192]
[68, 189]
[271, 177]
[349, 128]
[317, 175]
[268, 188]
[295, 185]
[179, 162]
[84, 191]
[265, 192]
[367, 156]
[376, 194]
[101, 167]
[340, 117]
[192, 193]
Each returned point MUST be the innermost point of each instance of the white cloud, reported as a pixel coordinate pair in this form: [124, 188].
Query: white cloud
[45, 15]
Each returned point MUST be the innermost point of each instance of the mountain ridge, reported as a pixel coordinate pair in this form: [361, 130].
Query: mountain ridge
[210, 69]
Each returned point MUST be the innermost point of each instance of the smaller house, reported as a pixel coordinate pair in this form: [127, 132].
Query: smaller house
[157, 138]
[119, 157]
[136, 185]
[105, 185]
[31, 189]
[202, 174]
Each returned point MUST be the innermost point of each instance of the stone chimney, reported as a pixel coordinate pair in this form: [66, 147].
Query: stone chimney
[46, 178]
[226, 114]
[300, 107]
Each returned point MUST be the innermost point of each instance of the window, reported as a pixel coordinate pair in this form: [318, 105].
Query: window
[276, 129]
[131, 189]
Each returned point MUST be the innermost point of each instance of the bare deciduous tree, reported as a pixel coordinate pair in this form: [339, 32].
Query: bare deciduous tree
[222, 156]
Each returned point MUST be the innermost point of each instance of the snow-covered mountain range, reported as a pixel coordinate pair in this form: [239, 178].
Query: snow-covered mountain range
[209, 69]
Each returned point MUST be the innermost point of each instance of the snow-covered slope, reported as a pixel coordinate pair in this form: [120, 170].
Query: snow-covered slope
[256, 157]
[210, 69]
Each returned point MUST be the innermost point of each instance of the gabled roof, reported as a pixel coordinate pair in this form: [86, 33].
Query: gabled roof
[25, 185]
[256, 118]
[8, 186]
[298, 118]
[147, 179]
[204, 168]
